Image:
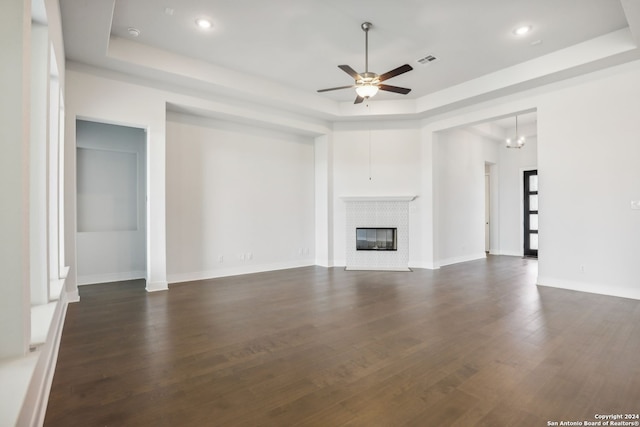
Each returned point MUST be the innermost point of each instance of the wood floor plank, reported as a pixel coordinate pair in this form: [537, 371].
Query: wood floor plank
[472, 344]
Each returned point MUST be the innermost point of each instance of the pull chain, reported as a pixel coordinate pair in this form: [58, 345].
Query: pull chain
[369, 145]
[369, 153]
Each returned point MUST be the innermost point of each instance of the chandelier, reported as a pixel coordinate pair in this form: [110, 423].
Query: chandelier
[517, 141]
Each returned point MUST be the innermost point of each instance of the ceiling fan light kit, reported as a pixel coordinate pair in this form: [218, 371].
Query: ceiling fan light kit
[368, 83]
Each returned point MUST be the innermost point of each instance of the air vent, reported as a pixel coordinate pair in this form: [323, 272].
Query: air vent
[427, 60]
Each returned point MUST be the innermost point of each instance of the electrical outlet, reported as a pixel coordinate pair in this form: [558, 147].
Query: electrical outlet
[221, 259]
[249, 255]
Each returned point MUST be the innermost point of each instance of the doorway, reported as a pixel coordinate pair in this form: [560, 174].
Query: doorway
[530, 213]
[111, 202]
[487, 210]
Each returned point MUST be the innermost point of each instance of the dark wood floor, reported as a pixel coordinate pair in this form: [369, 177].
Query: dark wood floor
[475, 344]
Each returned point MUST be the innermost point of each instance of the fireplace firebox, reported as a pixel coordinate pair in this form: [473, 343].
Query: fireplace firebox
[376, 239]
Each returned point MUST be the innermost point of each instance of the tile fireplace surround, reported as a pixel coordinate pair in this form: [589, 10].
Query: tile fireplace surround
[378, 212]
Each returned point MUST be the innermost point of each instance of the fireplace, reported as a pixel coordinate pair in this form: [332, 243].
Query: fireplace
[376, 239]
[377, 233]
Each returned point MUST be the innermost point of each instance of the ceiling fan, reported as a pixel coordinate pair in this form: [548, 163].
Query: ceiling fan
[367, 84]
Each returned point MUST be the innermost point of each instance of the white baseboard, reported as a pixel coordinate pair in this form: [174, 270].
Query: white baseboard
[157, 286]
[506, 253]
[593, 288]
[34, 407]
[110, 277]
[236, 271]
[459, 259]
[365, 268]
[73, 296]
[324, 262]
[423, 265]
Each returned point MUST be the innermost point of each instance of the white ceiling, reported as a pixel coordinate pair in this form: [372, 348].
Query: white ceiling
[509, 123]
[500, 129]
[280, 52]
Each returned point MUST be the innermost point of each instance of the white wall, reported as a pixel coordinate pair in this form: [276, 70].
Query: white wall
[31, 312]
[323, 157]
[512, 163]
[108, 101]
[112, 98]
[390, 168]
[14, 177]
[491, 155]
[460, 202]
[578, 119]
[239, 199]
[505, 168]
[111, 196]
[588, 156]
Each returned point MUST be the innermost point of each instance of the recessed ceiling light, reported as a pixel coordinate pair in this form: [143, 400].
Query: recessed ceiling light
[168, 11]
[133, 32]
[204, 23]
[521, 31]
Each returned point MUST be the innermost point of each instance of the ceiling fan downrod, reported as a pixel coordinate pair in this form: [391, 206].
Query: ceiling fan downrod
[365, 27]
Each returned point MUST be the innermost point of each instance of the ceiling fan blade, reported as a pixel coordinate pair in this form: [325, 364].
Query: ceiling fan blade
[350, 71]
[358, 100]
[335, 88]
[396, 89]
[395, 72]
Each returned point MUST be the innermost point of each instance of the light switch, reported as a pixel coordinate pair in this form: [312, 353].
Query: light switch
[635, 205]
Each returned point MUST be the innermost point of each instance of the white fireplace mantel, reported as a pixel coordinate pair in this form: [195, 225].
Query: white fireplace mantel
[378, 198]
